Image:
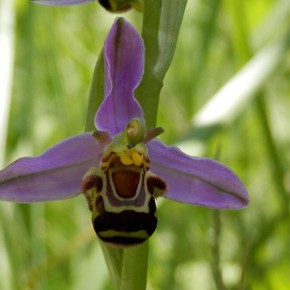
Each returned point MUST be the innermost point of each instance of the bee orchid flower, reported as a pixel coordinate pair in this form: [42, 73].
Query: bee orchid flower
[121, 167]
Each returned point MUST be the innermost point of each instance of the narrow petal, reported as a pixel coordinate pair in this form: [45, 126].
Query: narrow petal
[124, 61]
[61, 2]
[54, 175]
[194, 180]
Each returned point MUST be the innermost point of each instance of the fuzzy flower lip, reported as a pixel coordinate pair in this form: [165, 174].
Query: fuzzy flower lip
[57, 173]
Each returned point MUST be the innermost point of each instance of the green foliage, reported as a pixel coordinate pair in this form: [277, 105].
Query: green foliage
[53, 246]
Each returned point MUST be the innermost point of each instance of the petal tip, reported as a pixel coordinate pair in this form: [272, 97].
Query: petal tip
[200, 181]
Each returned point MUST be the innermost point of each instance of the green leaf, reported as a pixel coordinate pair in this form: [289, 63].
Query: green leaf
[161, 24]
[96, 93]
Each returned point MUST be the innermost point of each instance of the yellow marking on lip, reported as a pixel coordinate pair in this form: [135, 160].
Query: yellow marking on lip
[125, 159]
[137, 158]
[131, 156]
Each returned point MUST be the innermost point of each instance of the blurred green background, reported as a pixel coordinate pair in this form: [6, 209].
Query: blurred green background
[47, 60]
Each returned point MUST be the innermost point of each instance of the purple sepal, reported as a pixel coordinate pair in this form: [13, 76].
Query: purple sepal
[124, 61]
[54, 175]
[199, 181]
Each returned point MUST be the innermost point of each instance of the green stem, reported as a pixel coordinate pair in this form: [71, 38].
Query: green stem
[217, 273]
[134, 270]
[114, 258]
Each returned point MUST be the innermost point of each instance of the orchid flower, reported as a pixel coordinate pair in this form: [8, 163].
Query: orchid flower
[110, 5]
[121, 168]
